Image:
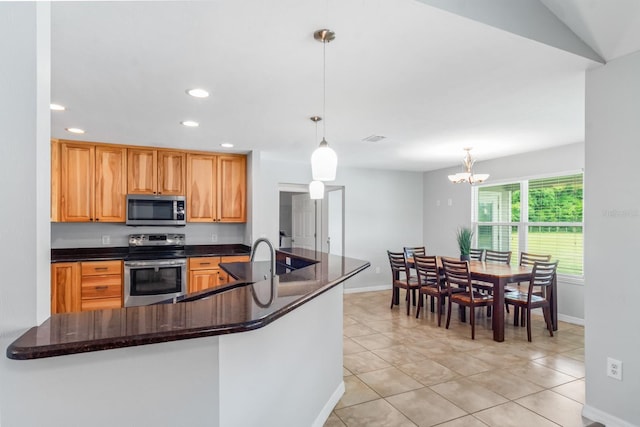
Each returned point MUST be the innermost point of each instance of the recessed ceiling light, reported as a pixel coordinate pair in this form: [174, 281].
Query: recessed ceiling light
[57, 107]
[74, 130]
[198, 93]
[226, 145]
[190, 123]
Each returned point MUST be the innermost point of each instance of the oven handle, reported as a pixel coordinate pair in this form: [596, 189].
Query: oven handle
[156, 263]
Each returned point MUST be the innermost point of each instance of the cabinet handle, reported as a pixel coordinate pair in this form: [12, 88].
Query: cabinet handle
[97, 219]
[101, 268]
[205, 263]
[101, 288]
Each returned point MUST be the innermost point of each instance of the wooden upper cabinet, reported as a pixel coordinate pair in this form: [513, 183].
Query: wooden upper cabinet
[216, 188]
[110, 184]
[92, 183]
[171, 171]
[155, 172]
[201, 188]
[77, 182]
[232, 184]
[142, 171]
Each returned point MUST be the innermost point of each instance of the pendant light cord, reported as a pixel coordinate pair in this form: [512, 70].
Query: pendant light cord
[324, 88]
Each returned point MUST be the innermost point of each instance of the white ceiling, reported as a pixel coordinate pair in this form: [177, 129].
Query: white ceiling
[430, 81]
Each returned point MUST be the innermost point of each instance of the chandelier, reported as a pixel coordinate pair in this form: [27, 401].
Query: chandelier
[468, 175]
[324, 160]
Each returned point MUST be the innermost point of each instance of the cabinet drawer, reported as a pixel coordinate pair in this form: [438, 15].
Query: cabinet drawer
[235, 258]
[101, 304]
[204, 263]
[101, 287]
[96, 268]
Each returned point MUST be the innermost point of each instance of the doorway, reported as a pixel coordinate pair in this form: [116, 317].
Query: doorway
[312, 224]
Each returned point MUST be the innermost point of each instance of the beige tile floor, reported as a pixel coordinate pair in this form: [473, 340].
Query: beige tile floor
[403, 371]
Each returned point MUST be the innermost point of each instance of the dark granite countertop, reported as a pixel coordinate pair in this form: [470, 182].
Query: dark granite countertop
[121, 252]
[233, 308]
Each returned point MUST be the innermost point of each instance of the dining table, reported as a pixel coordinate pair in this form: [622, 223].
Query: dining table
[500, 275]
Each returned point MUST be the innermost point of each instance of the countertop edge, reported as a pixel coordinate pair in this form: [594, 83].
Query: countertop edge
[31, 353]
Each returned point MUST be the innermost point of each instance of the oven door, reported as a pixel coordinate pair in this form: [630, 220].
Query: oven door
[149, 282]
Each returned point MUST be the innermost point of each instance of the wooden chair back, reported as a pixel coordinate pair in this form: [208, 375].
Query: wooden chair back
[542, 278]
[457, 274]
[530, 259]
[409, 252]
[502, 257]
[398, 265]
[476, 254]
[427, 269]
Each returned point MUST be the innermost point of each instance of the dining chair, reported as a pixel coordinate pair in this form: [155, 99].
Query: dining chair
[476, 254]
[401, 277]
[526, 259]
[457, 274]
[431, 284]
[417, 250]
[500, 257]
[539, 292]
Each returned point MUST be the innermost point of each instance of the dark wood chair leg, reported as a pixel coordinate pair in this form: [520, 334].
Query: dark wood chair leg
[547, 318]
[448, 314]
[472, 320]
[432, 308]
[420, 303]
[528, 323]
[439, 311]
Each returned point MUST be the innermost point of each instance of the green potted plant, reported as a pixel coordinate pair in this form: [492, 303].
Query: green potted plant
[464, 236]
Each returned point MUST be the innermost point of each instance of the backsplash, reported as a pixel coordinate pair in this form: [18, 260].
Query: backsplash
[90, 235]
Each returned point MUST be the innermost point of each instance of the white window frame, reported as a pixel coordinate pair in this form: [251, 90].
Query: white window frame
[523, 226]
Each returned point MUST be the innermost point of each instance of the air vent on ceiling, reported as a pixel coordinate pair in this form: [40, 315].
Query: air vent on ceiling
[374, 138]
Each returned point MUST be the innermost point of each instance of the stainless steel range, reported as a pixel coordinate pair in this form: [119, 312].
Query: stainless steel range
[155, 269]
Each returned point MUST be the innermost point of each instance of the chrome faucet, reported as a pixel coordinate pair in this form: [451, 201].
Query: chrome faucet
[272, 253]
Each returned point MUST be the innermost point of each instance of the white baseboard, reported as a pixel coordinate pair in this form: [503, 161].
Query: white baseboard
[571, 319]
[328, 407]
[603, 417]
[367, 289]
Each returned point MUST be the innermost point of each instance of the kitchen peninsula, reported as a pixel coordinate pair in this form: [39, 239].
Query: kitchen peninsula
[245, 354]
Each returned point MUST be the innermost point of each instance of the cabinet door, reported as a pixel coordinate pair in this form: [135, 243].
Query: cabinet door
[142, 171]
[55, 180]
[111, 187]
[171, 169]
[65, 287]
[201, 189]
[232, 184]
[77, 182]
[200, 280]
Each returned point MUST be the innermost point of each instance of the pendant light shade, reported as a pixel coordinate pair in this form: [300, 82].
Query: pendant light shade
[316, 190]
[324, 162]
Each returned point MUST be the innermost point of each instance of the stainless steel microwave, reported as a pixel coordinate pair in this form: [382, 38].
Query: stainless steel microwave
[156, 210]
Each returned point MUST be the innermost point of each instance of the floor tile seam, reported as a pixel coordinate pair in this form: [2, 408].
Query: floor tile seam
[537, 413]
[359, 403]
[507, 397]
[558, 370]
[399, 410]
[568, 397]
[453, 419]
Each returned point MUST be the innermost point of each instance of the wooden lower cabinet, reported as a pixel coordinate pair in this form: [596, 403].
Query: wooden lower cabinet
[84, 286]
[65, 287]
[205, 272]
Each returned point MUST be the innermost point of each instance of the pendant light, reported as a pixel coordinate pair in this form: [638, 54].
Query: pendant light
[324, 160]
[316, 188]
[468, 175]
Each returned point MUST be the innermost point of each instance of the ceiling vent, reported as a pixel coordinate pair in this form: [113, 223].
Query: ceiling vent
[374, 138]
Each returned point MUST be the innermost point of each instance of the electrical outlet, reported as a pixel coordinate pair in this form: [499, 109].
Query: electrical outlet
[214, 237]
[614, 368]
[106, 240]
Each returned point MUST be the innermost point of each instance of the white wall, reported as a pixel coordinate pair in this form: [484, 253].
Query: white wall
[24, 121]
[441, 219]
[383, 210]
[612, 224]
